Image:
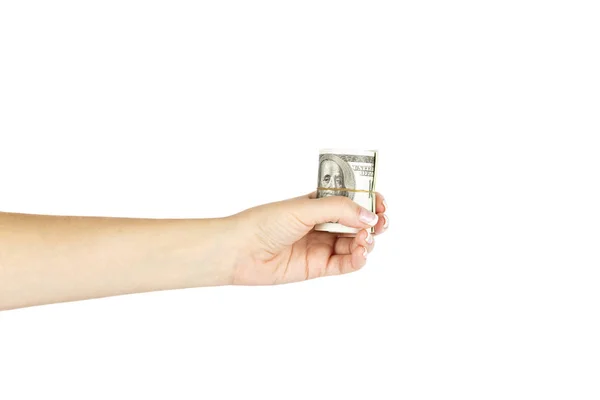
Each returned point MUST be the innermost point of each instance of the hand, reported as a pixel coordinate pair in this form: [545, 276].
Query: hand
[279, 245]
[78, 258]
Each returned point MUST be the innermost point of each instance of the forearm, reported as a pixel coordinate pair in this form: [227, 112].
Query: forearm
[48, 259]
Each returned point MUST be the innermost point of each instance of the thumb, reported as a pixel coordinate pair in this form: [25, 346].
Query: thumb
[334, 209]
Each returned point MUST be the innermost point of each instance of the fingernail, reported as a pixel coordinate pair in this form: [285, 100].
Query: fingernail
[367, 217]
[387, 221]
[369, 238]
[365, 252]
[384, 205]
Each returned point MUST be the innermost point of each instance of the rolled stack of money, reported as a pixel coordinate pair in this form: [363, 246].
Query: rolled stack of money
[349, 173]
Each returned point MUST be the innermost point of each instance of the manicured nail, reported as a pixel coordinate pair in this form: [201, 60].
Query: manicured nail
[387, 221]
[365, 252]
[384, 205]
[369, 238]
[368, 217]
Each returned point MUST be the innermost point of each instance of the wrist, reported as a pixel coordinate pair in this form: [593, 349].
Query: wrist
[205, 253]
[184, 253]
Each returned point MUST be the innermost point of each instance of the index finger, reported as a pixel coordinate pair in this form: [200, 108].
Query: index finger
[380, 205]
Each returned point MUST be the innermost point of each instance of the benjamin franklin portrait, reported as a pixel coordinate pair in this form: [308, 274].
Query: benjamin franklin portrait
[335, 173]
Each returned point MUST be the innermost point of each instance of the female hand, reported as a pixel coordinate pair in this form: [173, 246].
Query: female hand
[278, 243]
[78, 258]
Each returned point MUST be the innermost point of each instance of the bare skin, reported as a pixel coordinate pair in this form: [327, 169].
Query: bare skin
[51, 259]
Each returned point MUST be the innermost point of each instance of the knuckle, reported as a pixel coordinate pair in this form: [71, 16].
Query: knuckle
[340, 202]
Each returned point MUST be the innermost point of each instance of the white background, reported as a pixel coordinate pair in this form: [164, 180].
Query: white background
[486, 115]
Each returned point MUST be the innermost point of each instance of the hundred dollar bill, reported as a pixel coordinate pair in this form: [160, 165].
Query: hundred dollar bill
[349, 173]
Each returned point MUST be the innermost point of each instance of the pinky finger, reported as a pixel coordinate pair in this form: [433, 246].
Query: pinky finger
[343, 264]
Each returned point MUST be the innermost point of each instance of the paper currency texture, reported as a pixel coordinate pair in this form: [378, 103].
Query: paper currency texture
[349, 173]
